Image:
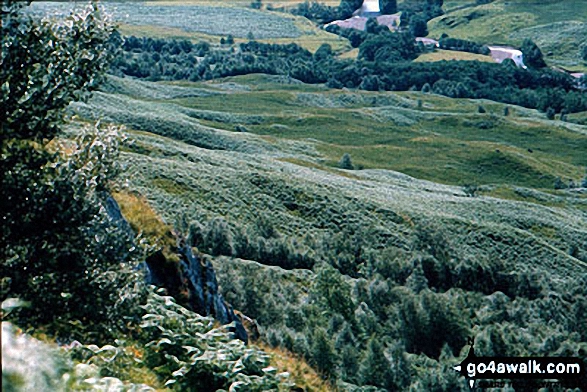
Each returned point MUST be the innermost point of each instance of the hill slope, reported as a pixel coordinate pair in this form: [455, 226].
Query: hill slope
[287, 230]
[558, 28]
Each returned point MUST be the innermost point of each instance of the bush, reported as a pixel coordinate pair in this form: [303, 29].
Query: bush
[64, 253]
[532, 54]
[345, 162]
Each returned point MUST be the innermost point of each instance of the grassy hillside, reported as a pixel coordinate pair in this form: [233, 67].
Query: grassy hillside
[364, 236]
[251, 163]
[211, 21]
[558, 28]
[424, 135]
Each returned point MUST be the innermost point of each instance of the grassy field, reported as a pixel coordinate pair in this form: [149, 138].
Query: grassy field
[423, 135]
[384, 130]
[442, 55]
[559, 28]
[188, 157]
[211, 21]
[262, 151]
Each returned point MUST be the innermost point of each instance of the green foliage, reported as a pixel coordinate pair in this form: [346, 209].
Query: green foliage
[532, 54]
[331, 289]
[388, 47]
[187, 351]
[463, 45]
[345, 162]
[428, 322]
[375, 368]
[45, 66]
[388, 7]
[323, 355]
[418, 27]
[62, 250]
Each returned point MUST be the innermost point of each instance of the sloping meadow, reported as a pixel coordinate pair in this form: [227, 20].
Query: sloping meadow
[355, 269]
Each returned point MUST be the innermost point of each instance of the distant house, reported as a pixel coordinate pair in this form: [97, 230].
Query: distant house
[500, 53]
[369, 9]
[360, 22]
[428, 42]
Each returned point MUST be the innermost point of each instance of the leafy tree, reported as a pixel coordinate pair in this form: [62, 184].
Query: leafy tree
[324, 356]
[218, 238]
[332, 291]
[584, 53]
[61, 251]
[375, 368]
[324, 52]
[418, 27]
[345, 162]
[388, 6]
[371, 26]
[347, 7]
[532, 54]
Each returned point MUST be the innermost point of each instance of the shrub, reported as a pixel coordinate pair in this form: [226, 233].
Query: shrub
[532, 54]
[188, 352]
[64, 253]
[345, 162]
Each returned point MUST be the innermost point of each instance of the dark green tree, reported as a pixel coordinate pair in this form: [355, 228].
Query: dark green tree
[324, 357]
[332, 291]
[388, 6]
[345, 162]
[532, 54]
[418, 27]
[60, 250]
[324, 52]
[375, 368]
[347, 7]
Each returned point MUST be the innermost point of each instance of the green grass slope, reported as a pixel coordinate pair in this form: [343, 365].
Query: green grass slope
[210, 22]
[559, 28]
[423, 135]
[246, 167]
[295, 138]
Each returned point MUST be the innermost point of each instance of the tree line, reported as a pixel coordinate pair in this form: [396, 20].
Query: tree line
[384, 63]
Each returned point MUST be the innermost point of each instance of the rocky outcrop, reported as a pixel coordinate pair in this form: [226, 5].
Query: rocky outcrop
[186, 277]
[203, 292]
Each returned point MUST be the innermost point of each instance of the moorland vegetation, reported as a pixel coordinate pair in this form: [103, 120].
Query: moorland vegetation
[366, 234]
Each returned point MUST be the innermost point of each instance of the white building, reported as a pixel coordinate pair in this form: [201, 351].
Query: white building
[369, 8]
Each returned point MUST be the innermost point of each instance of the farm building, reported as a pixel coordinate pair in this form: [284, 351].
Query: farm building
[500, 53]
[369, 9]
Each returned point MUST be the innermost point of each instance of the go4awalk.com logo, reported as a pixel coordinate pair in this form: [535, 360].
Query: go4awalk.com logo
[492, 372]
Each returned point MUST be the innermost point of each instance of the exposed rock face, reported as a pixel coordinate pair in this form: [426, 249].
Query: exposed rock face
[190, 281]
[202, 288]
